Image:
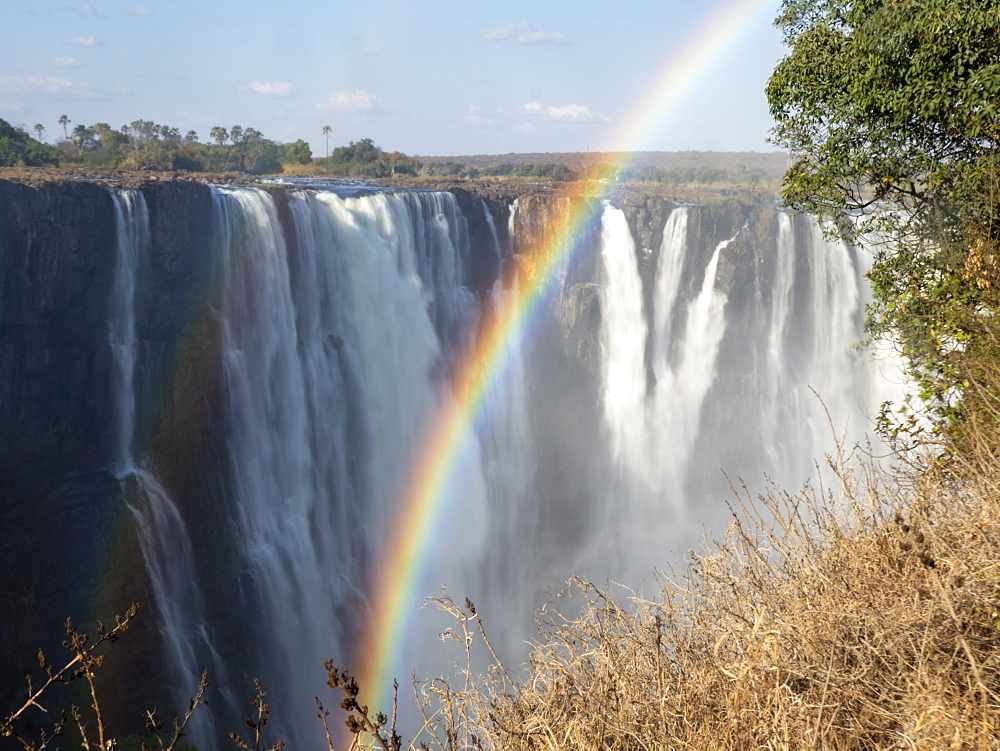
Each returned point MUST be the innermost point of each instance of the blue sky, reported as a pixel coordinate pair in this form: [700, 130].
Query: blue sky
[431, 78]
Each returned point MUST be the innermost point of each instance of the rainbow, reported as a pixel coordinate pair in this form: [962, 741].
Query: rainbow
[396, 587]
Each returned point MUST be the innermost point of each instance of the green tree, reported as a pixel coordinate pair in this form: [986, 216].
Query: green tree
[885, 100]
[83, 137]
[219, 134]
[297, 152]
[890, 108]
[326, 134]
[17, 147]
[40, 130]
[259, 155]
[64, 121]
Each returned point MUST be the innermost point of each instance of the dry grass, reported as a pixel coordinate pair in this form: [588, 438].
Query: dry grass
[861, 616]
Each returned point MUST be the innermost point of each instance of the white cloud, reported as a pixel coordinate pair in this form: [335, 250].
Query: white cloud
[370, 50]
[20, 89]
[66, 62]
[577, 113]
[139, 10]
[478, 121]
[357, 100]
[541, 37]
[35, 85]
[524, 33]
[87, 41]
[273, 88]
[90, 10]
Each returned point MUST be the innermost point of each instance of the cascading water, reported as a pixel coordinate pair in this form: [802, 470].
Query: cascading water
[132, 230]
[340, 318]
[779, 372]
[162, 531]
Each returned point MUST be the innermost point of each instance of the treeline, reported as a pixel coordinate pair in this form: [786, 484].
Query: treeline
[146, 145]
[17, 147]
[547, 171]
[705, 175]
[364, 159]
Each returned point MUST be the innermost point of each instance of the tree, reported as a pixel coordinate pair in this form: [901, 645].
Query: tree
[219, 135]
[297, 152]
[17, 147]
[83, 137]
[39, 129]
[885, 100]
[64, 121]
[326, 134]
[236, 135]
[890, 108]
[100, 130]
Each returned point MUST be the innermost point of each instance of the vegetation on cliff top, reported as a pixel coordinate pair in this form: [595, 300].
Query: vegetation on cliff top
[143, 145]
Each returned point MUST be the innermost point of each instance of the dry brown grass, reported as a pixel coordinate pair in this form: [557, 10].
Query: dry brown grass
[864, 615]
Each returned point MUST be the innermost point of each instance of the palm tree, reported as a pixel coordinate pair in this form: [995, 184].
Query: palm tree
[39, 129]
[64, 121]
[326, 132]
[219, 134]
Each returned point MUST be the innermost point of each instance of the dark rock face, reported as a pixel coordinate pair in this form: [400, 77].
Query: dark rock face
[70, 548]
[56, 246]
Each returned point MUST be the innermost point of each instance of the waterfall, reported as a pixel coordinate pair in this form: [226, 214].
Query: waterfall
[335, 350]
[342, 316]
[162, 531]
[132, 240]
[734, 384]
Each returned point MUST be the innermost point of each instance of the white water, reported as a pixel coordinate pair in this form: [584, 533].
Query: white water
[338, 332]
[162, 531]
[333, 364]
[808, 385]
[132, 240]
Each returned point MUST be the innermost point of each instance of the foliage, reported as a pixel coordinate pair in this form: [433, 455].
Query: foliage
[705, 175]
[885, 100]
[364, 159]
[18, 148]
[82, 668]
[297, 152]
[890, 109]
[544, 171]
[146, 145]
[256, 726]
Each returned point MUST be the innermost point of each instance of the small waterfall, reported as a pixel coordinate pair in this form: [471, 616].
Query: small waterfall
[132, 241]
[163, 536]
[667, 287]
[623, 340]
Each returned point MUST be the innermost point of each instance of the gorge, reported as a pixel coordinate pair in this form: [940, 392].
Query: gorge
[213, 397]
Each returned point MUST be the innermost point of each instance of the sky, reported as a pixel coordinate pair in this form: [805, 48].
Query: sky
[433, 78]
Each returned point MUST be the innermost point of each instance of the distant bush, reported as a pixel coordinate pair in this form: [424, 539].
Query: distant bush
[17, 148]
[363, 159]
